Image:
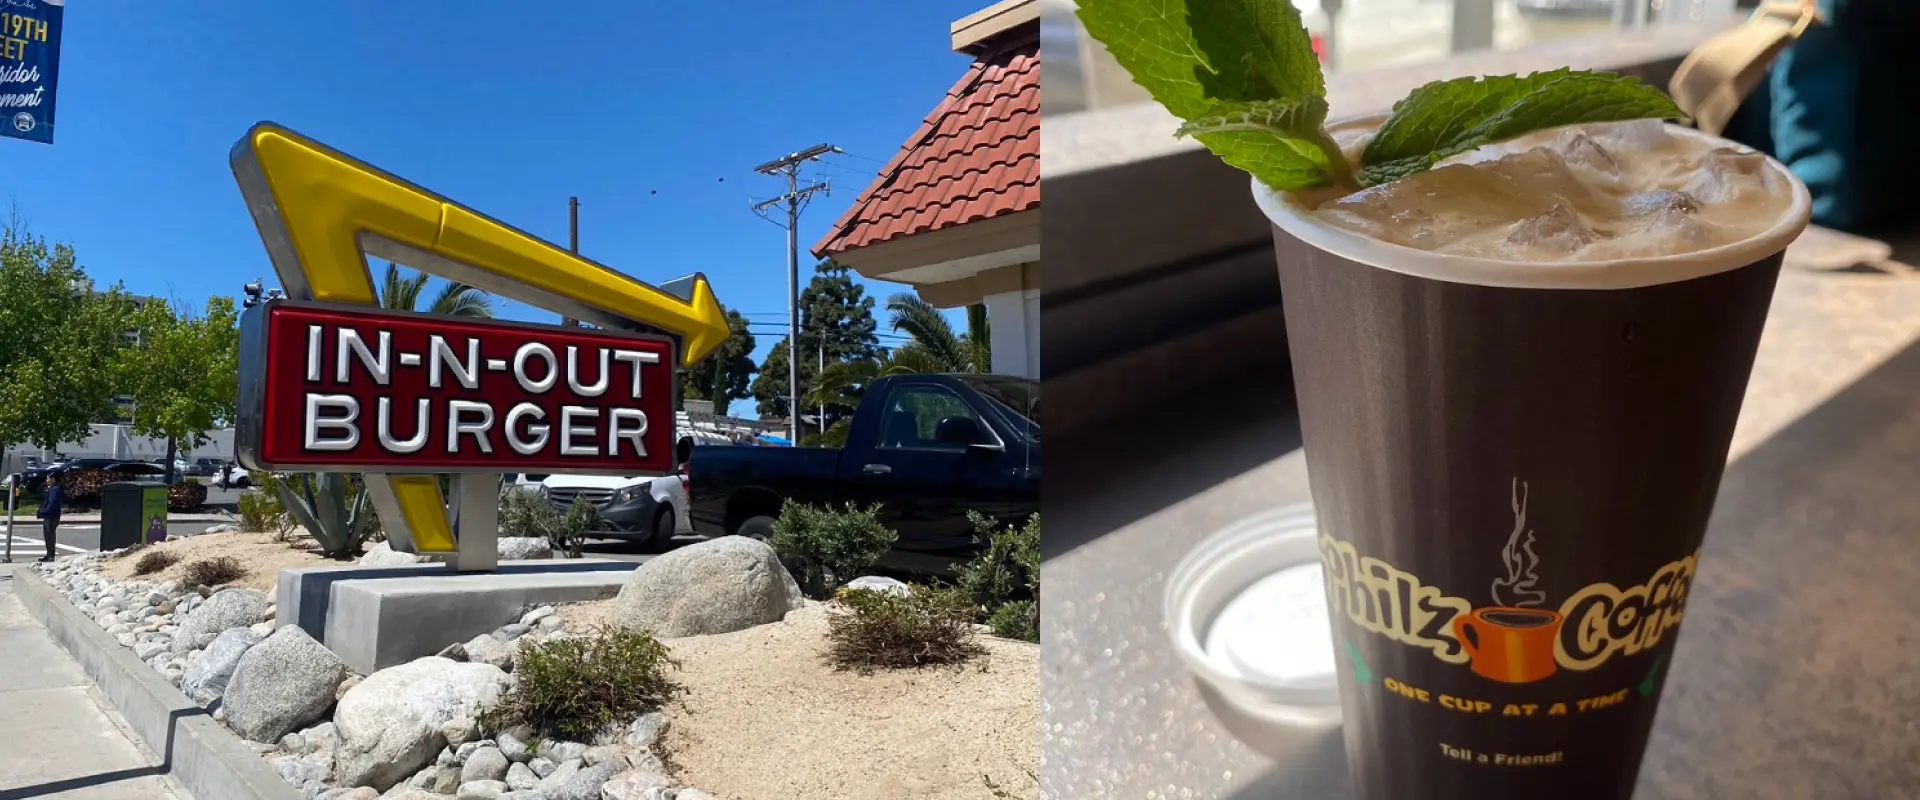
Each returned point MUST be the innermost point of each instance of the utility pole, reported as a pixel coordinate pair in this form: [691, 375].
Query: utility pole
[573, 246]
[795, 199]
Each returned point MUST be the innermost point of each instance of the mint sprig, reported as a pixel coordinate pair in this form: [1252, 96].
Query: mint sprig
[1243, 77]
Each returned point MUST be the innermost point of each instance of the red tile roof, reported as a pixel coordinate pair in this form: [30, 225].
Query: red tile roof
[976, 157]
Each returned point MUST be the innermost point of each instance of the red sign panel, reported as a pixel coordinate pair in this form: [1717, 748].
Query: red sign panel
[329, 388]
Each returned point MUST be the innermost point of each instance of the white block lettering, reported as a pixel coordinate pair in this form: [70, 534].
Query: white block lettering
[545, 353]
[351, 344]
[573, 373]
[316, 403]
[538, 429]
[633, 431]
[385, 429]
[457, 411]
[440, 356]
[568, 431]
[314, 337]
[636, 358]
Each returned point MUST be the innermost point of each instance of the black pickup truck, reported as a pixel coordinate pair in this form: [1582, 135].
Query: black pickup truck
[927, 448]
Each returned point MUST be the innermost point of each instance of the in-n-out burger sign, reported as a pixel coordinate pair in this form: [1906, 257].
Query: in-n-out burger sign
[326, 387]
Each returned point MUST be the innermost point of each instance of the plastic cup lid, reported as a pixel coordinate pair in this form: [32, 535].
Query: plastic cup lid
[1247, 610]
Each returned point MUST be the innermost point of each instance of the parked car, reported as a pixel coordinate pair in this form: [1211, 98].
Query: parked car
[927, 448]
[139, 470]
[206, 467]
[233, 476]
[650, 509]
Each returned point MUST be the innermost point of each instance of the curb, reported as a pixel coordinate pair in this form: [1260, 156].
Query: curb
[212, 762]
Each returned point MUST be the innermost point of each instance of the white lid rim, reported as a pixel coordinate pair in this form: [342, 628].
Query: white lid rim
[1625, 273]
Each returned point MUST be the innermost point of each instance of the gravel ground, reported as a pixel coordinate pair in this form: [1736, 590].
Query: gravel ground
[766, 718]
[259, 552]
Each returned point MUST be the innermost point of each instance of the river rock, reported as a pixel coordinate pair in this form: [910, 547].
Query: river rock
[388, 726]
[879, 583]
[520, 548]
[513, 742]
[280, 684]
[227, 608]
[485, 764]
[646, 730]
[481, 790]
[727, 584]
[584, 784]
[459, 731]
[563, 751]
[206, 677]
[521, 777]
[383, 555]
[636, 784]
[542, 766]
[485, 649]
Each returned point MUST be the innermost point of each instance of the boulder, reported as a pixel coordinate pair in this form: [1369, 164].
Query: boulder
[727, 584]
[388, 726]
[518, 548]
[227, 608]
[878, 583]
[207, 677]
[485, 764]
[280, 684]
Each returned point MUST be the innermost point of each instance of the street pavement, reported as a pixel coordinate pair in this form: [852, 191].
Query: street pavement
[61, 740]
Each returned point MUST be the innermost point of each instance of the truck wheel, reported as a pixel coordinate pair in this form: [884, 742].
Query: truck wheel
[662, 534]
[756, 528]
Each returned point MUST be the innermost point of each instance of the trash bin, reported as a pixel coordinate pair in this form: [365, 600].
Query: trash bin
[132, 512]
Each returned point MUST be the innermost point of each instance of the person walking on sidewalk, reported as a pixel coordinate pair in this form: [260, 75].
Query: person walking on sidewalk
[49, 514]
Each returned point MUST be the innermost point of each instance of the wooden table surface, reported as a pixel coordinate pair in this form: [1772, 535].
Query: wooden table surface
[1797, 674]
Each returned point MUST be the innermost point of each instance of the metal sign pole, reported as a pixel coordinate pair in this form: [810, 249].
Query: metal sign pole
[13, 492]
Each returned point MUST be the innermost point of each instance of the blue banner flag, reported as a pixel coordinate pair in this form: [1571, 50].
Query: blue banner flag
[29, 63]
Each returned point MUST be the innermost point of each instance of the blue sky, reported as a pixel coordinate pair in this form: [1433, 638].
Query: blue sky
[653, 114]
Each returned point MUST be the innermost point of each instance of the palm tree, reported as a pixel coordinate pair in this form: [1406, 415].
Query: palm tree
[934, 348]
[402, 293]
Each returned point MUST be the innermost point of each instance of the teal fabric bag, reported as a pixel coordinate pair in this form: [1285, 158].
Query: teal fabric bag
[1839, 110]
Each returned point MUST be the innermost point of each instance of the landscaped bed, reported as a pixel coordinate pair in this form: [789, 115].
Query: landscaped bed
[766, 716]
[263, 555]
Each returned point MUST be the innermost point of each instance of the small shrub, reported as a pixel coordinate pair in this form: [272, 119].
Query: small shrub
[830, 546]
[1006, 575]
[84, 485]
[154, 562]
[1019, 619]
[186, 496]
[883, 630]
[575, 688]
[523, 513]
[583, 516]
[213, 571]
[261, 511]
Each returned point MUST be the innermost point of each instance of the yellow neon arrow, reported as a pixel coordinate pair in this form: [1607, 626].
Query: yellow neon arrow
[325, 201]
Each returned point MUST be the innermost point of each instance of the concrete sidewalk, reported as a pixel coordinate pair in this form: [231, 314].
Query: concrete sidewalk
[59, 740]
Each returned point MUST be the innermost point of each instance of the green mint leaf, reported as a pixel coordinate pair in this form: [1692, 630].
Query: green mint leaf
[1240, 73]
[1447, 118]
[1295, 119]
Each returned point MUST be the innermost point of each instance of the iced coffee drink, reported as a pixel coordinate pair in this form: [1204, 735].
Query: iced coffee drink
[1518, 376]
[1521, 312]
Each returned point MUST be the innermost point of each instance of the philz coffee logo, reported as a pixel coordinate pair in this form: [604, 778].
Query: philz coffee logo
[1516, 638]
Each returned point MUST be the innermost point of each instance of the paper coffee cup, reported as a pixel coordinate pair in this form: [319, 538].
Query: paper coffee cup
[1512, 469]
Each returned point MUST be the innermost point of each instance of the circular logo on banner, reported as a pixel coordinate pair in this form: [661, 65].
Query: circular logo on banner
[23, 122]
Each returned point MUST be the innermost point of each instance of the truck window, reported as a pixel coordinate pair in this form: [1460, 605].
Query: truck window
[916, 415]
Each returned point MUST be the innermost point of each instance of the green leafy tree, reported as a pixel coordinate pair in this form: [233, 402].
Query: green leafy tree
[55, 333]
[182, 373]
[727, 375]
[403, 292]
[836, 323]
[935, 348]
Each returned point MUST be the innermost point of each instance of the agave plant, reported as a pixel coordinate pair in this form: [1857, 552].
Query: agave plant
[328, 507]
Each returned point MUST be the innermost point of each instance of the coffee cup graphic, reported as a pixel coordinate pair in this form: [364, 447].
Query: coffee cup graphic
[1510, 645]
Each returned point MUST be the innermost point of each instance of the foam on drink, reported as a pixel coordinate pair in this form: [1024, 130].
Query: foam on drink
[1580, 194]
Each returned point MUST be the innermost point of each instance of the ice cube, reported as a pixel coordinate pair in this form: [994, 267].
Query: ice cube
[1581, 150]
[1544, 176]
[1727, 174]
[1558, 231]
[1659, 201]
[1634, 135]
[1431, 209]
